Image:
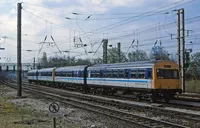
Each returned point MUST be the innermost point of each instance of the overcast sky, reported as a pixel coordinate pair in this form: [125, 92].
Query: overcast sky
[145, 21]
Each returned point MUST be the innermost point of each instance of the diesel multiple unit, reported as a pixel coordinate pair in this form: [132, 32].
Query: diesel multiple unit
[155, 80]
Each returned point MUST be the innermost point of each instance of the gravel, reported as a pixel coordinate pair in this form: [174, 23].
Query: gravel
[67, 116]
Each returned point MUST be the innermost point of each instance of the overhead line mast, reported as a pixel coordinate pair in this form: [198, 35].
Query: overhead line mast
[19, 63]
[181, 50]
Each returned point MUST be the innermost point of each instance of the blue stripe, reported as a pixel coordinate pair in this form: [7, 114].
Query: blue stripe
[100, 79]
[119, 80]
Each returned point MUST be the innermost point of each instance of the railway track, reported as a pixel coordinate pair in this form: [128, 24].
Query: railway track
[189, 97]
[98, 105]
[167, 109]
[172, 104]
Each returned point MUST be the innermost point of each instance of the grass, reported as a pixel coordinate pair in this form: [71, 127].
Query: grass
[13, 116]
[192, 86]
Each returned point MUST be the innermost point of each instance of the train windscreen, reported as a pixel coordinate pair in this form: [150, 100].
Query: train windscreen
[167, 74]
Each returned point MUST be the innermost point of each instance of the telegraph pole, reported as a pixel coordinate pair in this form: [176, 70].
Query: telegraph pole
[19, 64]
[181, 51]
[183, 48]
[105, 48]
[179, 40]
[119, 51]
[34, 63]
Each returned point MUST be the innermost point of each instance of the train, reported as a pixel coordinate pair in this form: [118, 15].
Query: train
[153, 80]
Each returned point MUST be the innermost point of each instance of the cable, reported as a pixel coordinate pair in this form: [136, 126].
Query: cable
[147, 15]
[91, 19]
[45, 19]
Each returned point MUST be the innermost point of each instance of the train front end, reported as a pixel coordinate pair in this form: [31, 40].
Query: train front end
[166, 80]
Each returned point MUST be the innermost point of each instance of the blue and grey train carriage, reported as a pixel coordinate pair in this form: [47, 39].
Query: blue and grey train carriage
[46, 76]
[33, 75]
[70, 76]
[148, 79]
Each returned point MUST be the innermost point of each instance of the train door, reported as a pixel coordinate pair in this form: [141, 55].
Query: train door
[148, 76]
[126, 77]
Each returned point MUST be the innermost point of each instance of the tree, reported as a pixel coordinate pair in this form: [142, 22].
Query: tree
[113, 56]
[158, 52]
[138, 55]
[43, 61]
[194, 67]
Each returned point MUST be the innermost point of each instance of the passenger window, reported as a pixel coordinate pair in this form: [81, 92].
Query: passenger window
[149, 74]
[104, 74]
[134, 74]
[108, 74]
[141, 74]
[121, 73]
[101, 74]
[114, 74]
[126, 74]
[97, 74]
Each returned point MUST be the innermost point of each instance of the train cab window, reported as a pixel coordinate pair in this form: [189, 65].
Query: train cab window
[175, 74]
[167, 74]
[141, 74]
[134, 74]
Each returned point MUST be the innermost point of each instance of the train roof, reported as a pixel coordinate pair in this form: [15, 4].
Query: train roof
[138, 64]
[46, 70]
[70, 68]
[31, 71]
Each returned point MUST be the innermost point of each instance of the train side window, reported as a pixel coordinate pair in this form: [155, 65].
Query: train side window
[62, 74]
[101, 74]
[97, 74]
[104, 74]
[92, 74]
[141, 74]
[114, 73]
[121, 73]
[80, 74]
[69, 74]
[48, 73]
[126, 74]
[134, 74]
[149, 74]
[109, 74]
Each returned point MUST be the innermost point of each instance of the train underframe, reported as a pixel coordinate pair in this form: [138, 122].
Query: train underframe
[154, 95]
